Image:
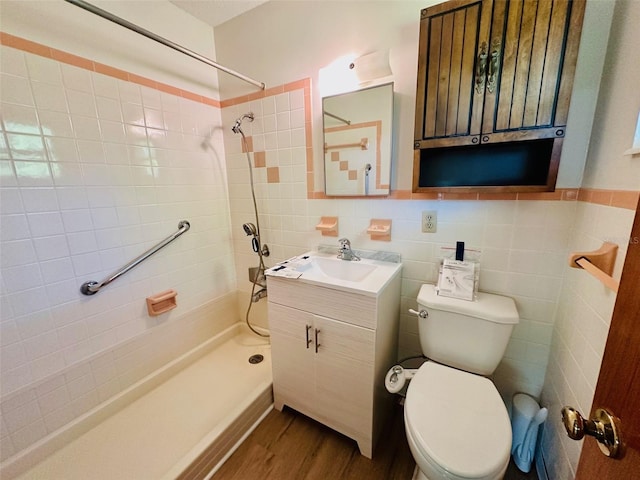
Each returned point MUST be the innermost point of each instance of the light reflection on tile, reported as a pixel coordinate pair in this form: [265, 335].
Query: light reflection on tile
[7, 175]
[20, 119]
[33, 174]
[26, 147]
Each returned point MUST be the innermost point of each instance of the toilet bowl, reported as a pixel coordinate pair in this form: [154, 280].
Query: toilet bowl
[457, 425]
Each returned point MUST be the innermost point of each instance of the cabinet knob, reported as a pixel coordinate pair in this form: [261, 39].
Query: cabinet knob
[474, 140]
[559, 132]
[485, 139]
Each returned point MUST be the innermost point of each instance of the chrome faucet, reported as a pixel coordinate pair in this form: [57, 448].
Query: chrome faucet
[345, 252]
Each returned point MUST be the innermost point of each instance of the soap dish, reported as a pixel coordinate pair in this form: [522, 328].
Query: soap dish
[161, 303]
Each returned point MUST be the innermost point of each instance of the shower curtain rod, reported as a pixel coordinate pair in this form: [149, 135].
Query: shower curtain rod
[132, 26]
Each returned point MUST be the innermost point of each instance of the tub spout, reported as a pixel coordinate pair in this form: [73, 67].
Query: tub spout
[262, 293]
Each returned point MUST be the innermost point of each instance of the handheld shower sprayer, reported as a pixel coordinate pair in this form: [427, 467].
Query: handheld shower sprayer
[236, 126]
[250, 229]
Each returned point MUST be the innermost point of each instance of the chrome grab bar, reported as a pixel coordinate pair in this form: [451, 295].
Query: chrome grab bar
[91, 288]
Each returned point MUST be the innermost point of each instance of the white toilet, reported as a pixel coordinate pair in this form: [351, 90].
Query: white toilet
[456, 422]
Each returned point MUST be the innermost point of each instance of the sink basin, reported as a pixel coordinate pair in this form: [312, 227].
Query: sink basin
[367, 276]
[344, 270]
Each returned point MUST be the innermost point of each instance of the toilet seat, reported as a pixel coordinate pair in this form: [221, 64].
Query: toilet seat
[458, 422]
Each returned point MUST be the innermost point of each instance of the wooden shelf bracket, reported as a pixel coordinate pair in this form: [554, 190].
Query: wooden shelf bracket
[598, 263]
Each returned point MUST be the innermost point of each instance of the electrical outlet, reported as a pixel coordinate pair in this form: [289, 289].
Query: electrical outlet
[430, 221]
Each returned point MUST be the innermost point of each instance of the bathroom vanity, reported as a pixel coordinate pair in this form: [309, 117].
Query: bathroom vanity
[334, 334]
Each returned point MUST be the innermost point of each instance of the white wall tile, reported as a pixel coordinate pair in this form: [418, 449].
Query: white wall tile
[12, 62]
[73, 202]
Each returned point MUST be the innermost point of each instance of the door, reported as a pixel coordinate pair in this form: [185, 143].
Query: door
[618, 387]
[531, 41]
[292, 361]
[344, 376]
[454, 39]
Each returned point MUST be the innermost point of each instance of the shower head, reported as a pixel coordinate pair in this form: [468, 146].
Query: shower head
[250, 229]
[236, 126]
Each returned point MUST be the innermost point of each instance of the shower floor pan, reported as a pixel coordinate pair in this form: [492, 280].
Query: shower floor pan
[180, 429]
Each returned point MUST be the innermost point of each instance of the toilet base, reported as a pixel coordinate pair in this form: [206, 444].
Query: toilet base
[419, 475]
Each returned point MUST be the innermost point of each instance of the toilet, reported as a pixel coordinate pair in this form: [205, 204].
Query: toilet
[456, 423]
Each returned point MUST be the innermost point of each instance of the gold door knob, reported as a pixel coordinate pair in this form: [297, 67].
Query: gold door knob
[604, 427]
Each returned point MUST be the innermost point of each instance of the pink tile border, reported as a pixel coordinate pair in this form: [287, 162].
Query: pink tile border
[25, 45]
[627, 199]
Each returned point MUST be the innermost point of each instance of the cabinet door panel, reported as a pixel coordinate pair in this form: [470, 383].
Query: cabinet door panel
[508, 66]
[523, 63]
[450, 105]
[536, 65]
[292, 362]
[551, 75]
[533, 41]
[433, 69]
[443, 74]
[344, 375]
[466, 123]
[457, 24]
[569, 63]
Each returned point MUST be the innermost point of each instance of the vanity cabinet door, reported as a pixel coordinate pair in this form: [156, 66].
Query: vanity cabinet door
[452, 61]
[292, 359]
[344, 377]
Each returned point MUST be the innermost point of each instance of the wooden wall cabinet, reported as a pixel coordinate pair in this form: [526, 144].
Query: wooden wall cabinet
[496, 71]
[330, 353]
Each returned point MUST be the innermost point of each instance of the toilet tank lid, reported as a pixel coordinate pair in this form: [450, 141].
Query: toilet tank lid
[488, 306]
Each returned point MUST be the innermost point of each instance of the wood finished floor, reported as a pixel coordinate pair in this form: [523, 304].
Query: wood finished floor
[288, 445]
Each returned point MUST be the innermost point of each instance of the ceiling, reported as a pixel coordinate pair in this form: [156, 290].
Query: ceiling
[215, 12]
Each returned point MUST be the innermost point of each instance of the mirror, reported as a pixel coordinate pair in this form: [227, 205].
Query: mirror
[357, 130]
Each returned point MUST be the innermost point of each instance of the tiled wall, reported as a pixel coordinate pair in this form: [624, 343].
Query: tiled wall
[580, 333]
[524, 243]
[277, 140]
[95, 170]
[524, 239]
[585, 306]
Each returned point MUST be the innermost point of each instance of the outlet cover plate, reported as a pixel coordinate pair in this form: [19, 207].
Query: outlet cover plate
[430, 221]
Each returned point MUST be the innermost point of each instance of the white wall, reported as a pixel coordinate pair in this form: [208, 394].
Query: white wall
[64, 26]
[586, 306]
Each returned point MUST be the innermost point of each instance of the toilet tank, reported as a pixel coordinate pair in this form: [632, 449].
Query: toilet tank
[468, 335]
